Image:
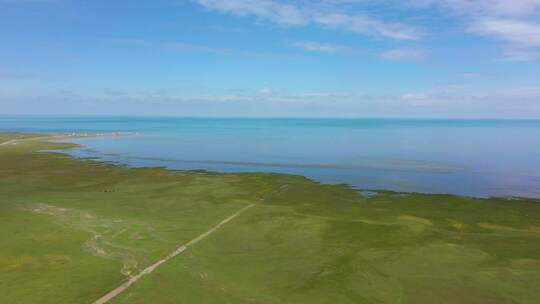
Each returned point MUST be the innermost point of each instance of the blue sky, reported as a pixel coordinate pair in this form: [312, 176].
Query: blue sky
[315, 58]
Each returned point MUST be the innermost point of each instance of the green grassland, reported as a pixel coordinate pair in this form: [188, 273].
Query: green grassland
[74, 229]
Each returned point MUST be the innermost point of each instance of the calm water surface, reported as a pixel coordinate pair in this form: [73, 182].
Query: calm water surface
[467, 157]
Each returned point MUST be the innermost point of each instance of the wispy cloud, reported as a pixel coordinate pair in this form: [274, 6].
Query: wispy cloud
[513, 31]
[485, 7]
[447, 101]
[392, 54]
[265, 9]
[522, 38]
[404, 54]
[27, 1]
[514, 22]
[473, 75]
[314, 46]
[302, 14]
[179, 46]
[486, 99]
[520, 54]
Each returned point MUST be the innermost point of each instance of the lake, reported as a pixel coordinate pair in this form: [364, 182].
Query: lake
[464, 157]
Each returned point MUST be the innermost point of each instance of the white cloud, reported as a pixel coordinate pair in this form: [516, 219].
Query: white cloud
[404, 54]
[265, 91]
[364, 24]
[512, 7]
[520, 54]
[485, 7]
[266, 9]
[473, 75]
[515, 22]
[510, 21]
[513, 31]
[448, 101]
[179, 46]
[522, 38]
[27, 1]
[313, 46]
[302, 13]
[484, 100]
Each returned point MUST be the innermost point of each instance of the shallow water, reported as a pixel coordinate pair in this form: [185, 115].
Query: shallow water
[466, 157]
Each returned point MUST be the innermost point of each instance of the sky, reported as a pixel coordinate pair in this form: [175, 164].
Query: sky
[271, 58]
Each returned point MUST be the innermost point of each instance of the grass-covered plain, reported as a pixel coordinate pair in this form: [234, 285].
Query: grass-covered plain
[72, 230]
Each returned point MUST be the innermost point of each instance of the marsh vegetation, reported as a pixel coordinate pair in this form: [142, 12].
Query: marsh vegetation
[72, 230]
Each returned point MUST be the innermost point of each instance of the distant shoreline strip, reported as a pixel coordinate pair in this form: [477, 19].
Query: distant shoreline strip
[68, 136]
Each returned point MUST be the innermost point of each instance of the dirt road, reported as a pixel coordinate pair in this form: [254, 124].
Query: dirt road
[118, 290]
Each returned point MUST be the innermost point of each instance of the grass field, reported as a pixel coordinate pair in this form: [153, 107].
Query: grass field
[72, 230]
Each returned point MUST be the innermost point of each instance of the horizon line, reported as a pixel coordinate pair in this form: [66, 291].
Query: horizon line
[268, 117]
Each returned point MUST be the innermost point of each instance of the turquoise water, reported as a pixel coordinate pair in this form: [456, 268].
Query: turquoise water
[466, 157]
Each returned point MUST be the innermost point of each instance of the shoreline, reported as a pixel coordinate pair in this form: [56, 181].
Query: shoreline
[68, 136]
[466, 159]
[92, 219]
[53, 136]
